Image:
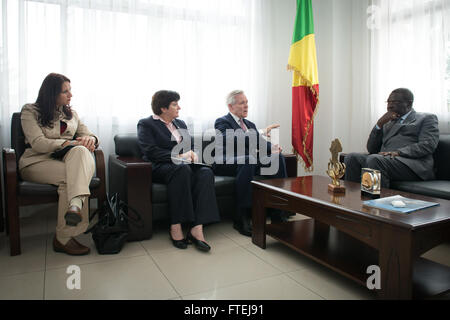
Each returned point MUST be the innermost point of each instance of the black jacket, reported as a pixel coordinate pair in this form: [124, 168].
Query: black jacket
[156, 141]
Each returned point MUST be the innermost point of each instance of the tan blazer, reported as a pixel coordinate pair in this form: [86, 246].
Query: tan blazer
[44, 140]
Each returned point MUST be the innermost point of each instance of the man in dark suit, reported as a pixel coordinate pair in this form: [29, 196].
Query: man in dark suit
[401, 145]
[242, 152]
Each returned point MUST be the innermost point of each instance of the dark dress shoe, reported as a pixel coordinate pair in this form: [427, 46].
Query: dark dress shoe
[73, 216]
[243, 226]
[278, 218]
[199, 244]
[73, 247]
[180, 244]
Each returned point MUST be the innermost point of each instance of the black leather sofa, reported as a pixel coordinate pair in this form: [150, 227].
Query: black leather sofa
[131, 177]
[439, 188]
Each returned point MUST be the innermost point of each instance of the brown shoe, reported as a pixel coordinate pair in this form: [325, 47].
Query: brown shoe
[73, 216]
[73, 247]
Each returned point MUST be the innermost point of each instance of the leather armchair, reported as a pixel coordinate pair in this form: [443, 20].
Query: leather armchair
[22, 193]
[131, 177]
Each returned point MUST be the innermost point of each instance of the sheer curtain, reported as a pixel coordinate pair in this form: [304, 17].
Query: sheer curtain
[117, 53]
[410, 47]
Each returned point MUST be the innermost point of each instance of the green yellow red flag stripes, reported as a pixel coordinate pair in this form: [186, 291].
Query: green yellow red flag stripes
[305, 82]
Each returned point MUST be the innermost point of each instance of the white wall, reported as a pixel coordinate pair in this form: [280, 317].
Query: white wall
[340, 34]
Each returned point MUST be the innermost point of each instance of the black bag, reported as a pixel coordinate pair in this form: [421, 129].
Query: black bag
[111, 230]
[58, 155]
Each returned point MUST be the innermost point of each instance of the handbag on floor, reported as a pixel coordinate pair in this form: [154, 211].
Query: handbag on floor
[111, 230]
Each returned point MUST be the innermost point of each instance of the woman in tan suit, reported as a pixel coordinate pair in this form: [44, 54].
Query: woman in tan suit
[49, 125]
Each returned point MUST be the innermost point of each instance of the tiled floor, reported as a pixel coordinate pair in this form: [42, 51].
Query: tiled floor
[154, 269]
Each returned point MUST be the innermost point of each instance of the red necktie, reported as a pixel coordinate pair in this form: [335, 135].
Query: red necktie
[241, 122]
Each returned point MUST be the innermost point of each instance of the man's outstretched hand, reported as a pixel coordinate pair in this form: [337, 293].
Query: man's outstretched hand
[269, 128]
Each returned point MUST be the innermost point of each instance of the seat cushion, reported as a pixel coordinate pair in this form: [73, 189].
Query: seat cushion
[441, 157]
[27, 188]
[159, 193]
[223, 185]
[432, 188]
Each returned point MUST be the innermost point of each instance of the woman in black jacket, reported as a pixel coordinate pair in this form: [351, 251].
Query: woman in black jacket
[190, 188]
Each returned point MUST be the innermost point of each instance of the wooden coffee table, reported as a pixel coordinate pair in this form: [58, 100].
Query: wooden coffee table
[348, 237]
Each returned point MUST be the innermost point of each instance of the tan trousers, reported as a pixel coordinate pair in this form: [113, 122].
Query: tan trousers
[72, 176]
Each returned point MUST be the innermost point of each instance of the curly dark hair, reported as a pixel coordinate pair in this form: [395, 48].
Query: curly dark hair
[163, 99]
[46, 101]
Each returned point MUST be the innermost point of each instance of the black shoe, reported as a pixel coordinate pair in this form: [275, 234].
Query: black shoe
[275, 218]
[199, 244]
[180, 244]
[278, 216]
[243, 226]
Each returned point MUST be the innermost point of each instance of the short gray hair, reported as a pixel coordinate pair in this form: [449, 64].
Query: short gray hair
[232, 95]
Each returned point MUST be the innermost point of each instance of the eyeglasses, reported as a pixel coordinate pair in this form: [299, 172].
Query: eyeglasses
[394, 101]
[397, 101]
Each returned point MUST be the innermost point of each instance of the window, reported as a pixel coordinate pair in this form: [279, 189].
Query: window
[118, 53]
[412, 49]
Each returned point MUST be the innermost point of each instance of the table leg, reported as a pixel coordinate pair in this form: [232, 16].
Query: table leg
[258, 218]
[396, 264]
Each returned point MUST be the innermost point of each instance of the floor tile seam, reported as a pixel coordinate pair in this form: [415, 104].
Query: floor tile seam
[304, 286]
[20, 273]
[225, 235]
[192, 247]
[304, 267]
[169, 250]
[236, 243]
[340, 278]
[178, 295]
[235, 284]
[253, 253]
[95, 262]
[150, 253]
[165, 276]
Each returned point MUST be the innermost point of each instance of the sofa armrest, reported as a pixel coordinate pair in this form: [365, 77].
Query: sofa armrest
[10, 173]
[132, 178]
[100, 173]
[291, 165]
[342, 157]
[10, 176]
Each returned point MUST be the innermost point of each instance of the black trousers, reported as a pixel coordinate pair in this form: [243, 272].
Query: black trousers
[390, 168]
[245, 173]
[190, 191]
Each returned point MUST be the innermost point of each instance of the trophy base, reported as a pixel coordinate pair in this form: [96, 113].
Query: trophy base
[336, 189]
[370, 195]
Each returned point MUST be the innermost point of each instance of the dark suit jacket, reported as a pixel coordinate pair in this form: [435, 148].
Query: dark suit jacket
[155, 140]
[415, 139]
[252, 137]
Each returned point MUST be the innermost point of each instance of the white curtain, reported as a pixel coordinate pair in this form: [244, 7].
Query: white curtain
[117, 53]
[410, 47]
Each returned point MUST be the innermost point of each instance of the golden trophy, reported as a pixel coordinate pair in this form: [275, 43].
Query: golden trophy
[336, 169]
